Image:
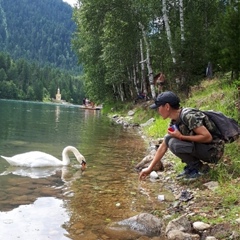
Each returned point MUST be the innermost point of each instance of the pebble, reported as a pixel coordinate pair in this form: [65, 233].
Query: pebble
[200, 226]
[161, 197]
[154, 175]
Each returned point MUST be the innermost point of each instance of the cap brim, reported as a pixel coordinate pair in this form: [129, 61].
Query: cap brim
[153, 106]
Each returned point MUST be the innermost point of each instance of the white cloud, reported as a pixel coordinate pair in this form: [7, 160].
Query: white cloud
[41, 220]
[71, 2]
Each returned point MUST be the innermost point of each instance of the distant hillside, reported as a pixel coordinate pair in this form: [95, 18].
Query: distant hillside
[38, 31]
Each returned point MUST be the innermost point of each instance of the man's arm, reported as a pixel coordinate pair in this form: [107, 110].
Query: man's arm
[202, 135]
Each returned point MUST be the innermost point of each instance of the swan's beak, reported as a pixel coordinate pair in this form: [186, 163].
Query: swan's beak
[83, 165]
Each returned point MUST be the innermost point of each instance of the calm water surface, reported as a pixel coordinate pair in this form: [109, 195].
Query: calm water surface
[64, 203]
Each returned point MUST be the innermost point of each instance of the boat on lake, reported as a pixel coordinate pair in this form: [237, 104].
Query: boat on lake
[89, 107]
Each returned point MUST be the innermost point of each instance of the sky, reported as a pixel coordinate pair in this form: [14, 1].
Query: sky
[71, 2]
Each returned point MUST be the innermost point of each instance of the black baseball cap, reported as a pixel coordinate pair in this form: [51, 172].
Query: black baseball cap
[166, 97]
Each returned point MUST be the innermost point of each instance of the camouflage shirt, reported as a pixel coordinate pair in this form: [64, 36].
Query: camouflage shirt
[193, 118]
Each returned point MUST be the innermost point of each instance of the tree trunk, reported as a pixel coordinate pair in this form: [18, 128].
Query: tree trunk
[135, 83]
[148, 62]
[181, 20]
[121, 93]
[169, 36]
[143, 72]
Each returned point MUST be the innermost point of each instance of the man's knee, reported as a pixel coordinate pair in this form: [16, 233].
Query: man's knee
[177, 146]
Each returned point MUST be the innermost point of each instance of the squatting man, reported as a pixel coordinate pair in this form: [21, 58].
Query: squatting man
[191, 136]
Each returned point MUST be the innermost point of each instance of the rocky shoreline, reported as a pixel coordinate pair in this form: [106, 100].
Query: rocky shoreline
[189, 203]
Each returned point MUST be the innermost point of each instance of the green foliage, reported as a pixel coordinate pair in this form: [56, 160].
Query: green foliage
[107, 42]
[38, 31]
[8, 90]
[25, 81]
[217, 94]
[230, 58]
[159, 129]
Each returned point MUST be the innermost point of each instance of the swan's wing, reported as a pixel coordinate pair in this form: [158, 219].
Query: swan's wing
[33, 159]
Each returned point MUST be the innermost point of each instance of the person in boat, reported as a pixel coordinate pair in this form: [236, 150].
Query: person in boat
[84, 101]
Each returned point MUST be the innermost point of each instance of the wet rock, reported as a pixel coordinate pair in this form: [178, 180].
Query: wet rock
[210, 238]
[181, 224]
[131, 113]
[88, 235]
[238, 220]
[121, 233]
[144, 163]
[211, 185]
[146, 160]
[179, 235]
[149, 122]
[180, 229]
[143, 224]
[235, 235]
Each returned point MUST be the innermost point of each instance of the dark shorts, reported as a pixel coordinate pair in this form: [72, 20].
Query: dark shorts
[210, 153]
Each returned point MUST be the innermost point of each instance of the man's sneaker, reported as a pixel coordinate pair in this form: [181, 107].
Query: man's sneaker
[183, 174]
[194, 174]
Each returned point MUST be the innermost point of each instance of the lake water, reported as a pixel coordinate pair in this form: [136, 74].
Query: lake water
[66, 203]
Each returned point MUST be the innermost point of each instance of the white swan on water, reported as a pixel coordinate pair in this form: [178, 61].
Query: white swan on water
[41, 159]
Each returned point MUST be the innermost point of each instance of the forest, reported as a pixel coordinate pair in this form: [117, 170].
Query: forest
[36, 56]
[39, 31]
[22, 80]
[110, 50]
[123, 45]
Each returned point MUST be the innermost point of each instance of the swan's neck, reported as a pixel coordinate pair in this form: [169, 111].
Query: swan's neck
[65, 155]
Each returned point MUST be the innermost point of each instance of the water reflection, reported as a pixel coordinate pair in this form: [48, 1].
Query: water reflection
[16, 190]
[44, 172]
[57, 113]
[30, 172]
[107, 191]
[35, 221]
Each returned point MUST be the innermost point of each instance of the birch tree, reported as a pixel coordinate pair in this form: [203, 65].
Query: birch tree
[148, 62]
[181, 15]
[143, 73]
[168, 30]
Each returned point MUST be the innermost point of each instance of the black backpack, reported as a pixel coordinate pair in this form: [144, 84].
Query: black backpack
[228, 128]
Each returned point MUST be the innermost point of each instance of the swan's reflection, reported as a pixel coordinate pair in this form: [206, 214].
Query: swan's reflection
[67, 174]
[31, 172]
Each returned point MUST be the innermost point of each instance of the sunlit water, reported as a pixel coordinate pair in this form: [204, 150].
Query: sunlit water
[64, 203]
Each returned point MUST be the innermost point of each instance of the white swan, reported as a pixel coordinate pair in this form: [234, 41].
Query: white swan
[41, 159]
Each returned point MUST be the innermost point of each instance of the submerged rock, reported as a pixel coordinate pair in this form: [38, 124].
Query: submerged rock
[142, 224]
